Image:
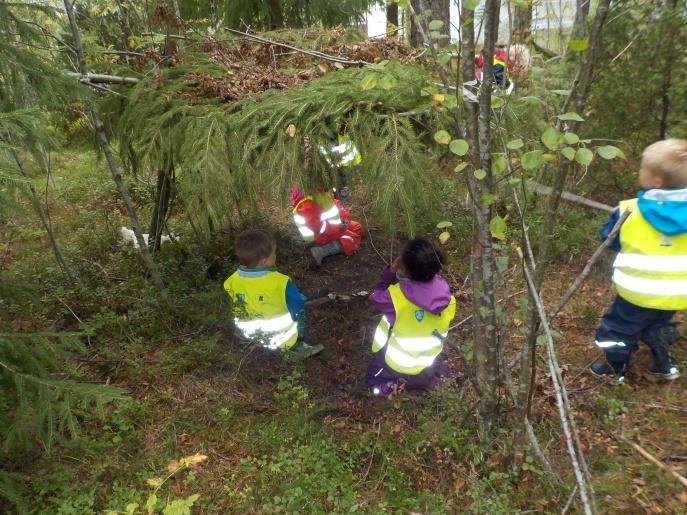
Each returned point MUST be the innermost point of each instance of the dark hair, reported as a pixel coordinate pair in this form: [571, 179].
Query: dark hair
[421, 260]
[253, 245]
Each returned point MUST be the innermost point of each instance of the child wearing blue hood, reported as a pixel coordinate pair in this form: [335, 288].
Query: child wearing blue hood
[650, 270]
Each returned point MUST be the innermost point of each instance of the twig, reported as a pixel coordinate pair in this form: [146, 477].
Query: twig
[313, 53]
[666, 468]
[367, 226]
[576, 455]
[101, 78]
[570, 197]
[590, 264]
[570, 500]
[372, 454]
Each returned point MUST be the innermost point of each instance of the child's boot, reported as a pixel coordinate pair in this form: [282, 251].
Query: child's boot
[603, 368]
[323, 251]
[302, 351]
[662, 368]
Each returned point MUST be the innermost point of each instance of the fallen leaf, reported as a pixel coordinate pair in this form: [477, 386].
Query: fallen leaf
[173, 465]
[323, 67]
[458, 484]
[291, 130]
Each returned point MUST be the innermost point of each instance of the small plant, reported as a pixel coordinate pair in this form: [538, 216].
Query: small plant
[610, 406]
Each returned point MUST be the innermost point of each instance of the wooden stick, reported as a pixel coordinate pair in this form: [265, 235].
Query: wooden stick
[570, 197]
[98, 78]
[667, 468]
[588, 267]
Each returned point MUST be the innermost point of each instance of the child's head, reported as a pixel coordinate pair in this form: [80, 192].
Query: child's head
[421, 260]
[256, 248]
[664, 165]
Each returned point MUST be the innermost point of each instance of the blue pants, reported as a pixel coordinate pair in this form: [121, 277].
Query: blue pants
[624, 324]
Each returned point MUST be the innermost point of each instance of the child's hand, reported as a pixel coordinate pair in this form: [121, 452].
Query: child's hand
[397, 264]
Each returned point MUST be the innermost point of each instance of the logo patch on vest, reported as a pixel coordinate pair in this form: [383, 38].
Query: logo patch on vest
[666, 241]
[241, 297]
[419, 314]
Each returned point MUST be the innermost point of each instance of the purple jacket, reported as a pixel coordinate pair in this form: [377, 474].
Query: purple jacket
[432, 295]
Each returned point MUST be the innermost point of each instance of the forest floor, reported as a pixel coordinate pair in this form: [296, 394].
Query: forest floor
[284, 437]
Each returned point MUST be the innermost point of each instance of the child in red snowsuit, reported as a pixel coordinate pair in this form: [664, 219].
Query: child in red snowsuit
[324, 221]
[501, 69]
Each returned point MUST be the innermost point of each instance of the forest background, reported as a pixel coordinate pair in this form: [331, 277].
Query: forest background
[123, 387]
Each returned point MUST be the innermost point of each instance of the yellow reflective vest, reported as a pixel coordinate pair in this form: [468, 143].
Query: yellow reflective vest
[409, 345]
[344, 154]
[650, 270]
[259, 308]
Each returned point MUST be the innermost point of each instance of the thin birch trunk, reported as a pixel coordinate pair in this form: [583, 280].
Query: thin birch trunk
[114, 168]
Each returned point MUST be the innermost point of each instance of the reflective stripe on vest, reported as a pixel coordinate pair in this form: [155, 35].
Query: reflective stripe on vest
[651, 269]
[410, 346]
[344, 154]
[331, 215]
[260, 310]
[306, 232]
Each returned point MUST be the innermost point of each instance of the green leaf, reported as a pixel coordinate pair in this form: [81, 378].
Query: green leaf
[569, 153]
[610, 152]
[578, 45]
[444, 58]
[532, 100]
[551, 138]
[460, 167]
[450, 102]
[532, 160]
[444, 224]
[496, 102]
[570, 116]
[537, 71]
[436, 25]
[444, 236]
[180, 506]
[151, 503]
[479, 174]
[541, 340]
[435, 34]
[498, 227]
[471, 5]
[442, 137]
[571, 138]
[488, 199]
[515, 144]
[584, 156]
[403, 4]
[387, 82]
[562, 92]
[458, 146]
[368, 82]
[499, 163]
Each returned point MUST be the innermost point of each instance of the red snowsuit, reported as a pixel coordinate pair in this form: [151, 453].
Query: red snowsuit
[322, 219]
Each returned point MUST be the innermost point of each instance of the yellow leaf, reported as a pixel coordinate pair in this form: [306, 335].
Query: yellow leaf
[438, 97]
[291, 130]
[154, 482]
[323, 67]
[338, 66]
[443, 237]
[196, 459]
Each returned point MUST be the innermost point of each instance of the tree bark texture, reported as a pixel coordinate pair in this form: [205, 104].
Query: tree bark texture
[276, 16]
[671, 18]
[581, 13]
[522, 24]
[163, 196]
[439, 11]
[391, 18]
[114, 168]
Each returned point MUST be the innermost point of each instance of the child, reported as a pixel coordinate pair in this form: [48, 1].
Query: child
[323, 220]
[650, 271]
[501, 72]
[414, 302]
[267, 307]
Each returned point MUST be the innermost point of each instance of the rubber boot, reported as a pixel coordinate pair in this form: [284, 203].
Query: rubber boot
[323, 251]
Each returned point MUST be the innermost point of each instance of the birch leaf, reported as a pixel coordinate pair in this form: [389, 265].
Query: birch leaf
[578, 45]
[584, 156]
[368, 82]
[459, 147]
[442, 137]
[532, 160]
[444, 224]
[610, 152]
[571, 116]
[571, 138]
[568, 153]
[551, 138]
[515, 144]
[497, 227]
[443, 237]
[480, 174]
[436, 25]
[460, 167]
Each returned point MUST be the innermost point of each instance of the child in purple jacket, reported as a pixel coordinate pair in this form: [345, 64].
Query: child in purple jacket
[414, 302]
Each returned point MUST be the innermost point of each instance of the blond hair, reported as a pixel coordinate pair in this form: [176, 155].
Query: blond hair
[667, 160]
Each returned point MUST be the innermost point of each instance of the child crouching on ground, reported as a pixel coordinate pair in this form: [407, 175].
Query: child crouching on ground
[414, 302]
[266, 305]
[650, 271]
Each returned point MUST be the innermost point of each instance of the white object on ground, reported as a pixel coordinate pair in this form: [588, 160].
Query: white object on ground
[129, 236]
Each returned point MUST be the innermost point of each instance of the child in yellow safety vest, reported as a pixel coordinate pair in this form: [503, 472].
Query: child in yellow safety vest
[266, 305]
[415, 302]
[650, 270]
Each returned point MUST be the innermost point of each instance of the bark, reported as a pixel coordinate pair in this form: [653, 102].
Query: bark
[391, 18]
[581, 13]
[579, 93]
[522, 24]
[276, 16]
[114, 168]
[163, 195]
[126, 29]
[670, 56]
[440, 11]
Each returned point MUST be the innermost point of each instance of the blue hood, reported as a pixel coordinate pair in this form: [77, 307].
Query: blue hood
[665, 210]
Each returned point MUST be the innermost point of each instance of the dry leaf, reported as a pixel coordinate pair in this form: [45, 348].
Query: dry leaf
[291, 130]
[339, 66]
[458, 484]
[323, 67]
[173, 465]
[196, 459]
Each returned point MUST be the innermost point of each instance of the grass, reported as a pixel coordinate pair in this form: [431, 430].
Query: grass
[283, 438]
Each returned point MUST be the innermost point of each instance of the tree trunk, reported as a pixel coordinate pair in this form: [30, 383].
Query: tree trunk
[126, 30]
[391, 18]
[114, 168]
[522, 24]
[163, 195]
[276, 16]
[581, 13]
[579, 93]
[670, 17]
[440, 11]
